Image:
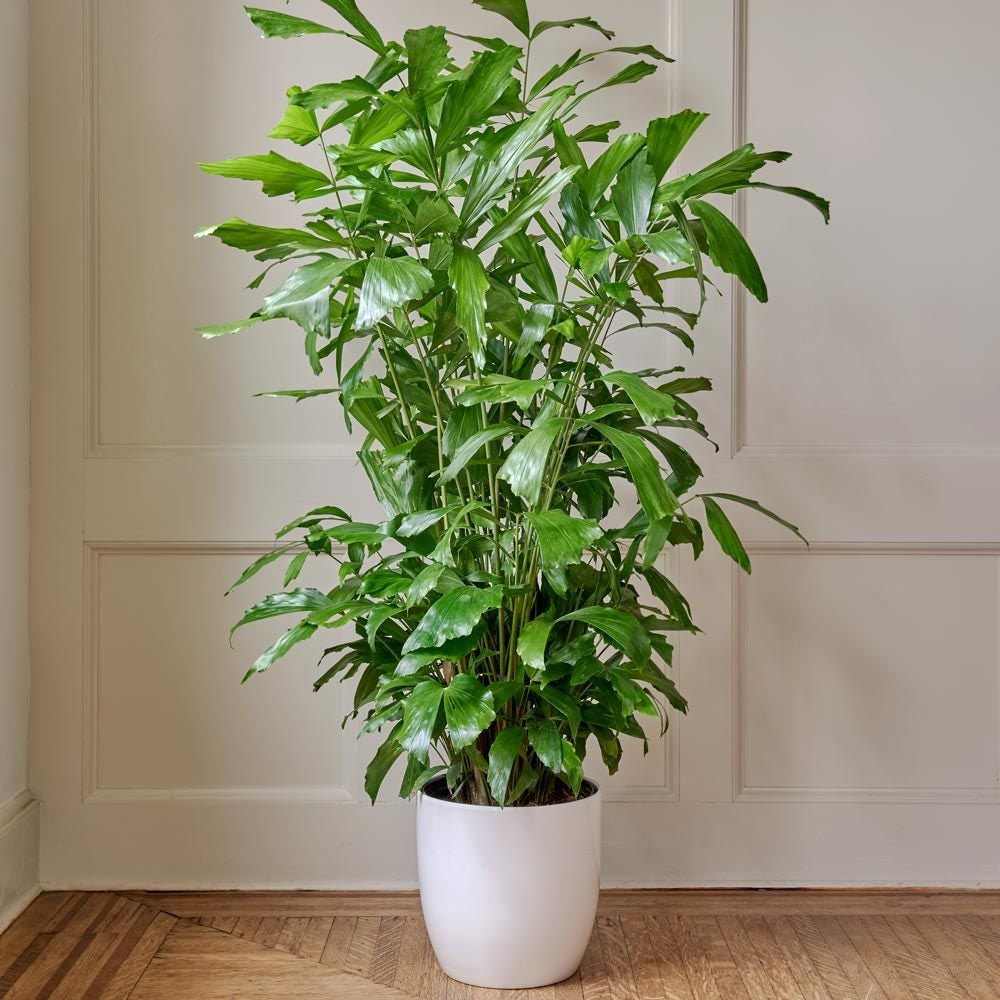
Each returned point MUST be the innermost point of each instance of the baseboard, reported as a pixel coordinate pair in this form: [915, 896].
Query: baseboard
[18, 856]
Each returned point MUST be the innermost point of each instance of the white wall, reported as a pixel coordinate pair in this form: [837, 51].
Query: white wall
[845, 700]
[18, 813]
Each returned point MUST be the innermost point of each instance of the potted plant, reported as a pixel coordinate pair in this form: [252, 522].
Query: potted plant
[475, 244]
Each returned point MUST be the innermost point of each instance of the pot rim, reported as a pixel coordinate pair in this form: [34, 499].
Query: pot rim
[422, 797]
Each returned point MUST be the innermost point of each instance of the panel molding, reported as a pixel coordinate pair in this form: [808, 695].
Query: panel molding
[342, 793]
[742, 792]
[740, 447]
[92, 790]
[93, 445]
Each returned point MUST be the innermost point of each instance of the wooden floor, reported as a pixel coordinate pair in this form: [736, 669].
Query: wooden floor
[769, 945]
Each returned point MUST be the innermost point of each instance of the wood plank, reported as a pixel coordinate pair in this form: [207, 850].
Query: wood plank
[362, 950]
[339, 941]
[314, 940]
[851, 962]
[696, 965]
[878, 963]
[269, 931]
[951, 950]
[755, 979]
[720, 959]
[673, 975]
[246, 927]
[200, 963]
[134, 952]
[782, 980]
[616, 959]
[22, 932]
[642, 958]
[877, 930]
[414, 954]
[593, 972]
[964, 970]
[387, 949]
[33, 980]
[940, 982]
[291, 934]
[822, 958]
[798, 961]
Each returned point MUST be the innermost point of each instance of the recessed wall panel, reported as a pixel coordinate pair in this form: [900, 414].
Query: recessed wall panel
[874, 672]
[880, 332]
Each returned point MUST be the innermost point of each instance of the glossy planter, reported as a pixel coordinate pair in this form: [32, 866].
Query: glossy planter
[509, 895]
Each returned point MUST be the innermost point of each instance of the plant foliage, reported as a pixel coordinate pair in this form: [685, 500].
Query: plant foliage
[476, 245]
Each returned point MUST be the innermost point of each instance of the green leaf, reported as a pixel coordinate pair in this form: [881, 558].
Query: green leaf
[536, 325]
[822, 205]
[297, 124]
[573, 22]
[295, 568]
[631, 74]
[567, 148]
[728, 249]
[274, 24]
[453, 616]
[325, 94]
[265, 560]
[667, 137]
[498, 159]
[656, 499]
[545, 740]
[562, 540]
[277, 174]
[349, 11]
[299, 395]
[566, 705]
[450, 651]
[533, 640]
[652, 405]
[633, 194]
[725, 534]
[390, 282]
[608, 165]
[525, 208]
[243, 235]
[468, 278]
[469, 100]
[421, 709]
[501, 389]
[526, 463]
[503, 755]
[754, 505]
[573, 767]
[619, 628]
[305, 283]
[427, 54]
[670, 246]
[289, 603]
[515, 11]
[468, 709]
[521, 212]
[280, 647]
[386, 755]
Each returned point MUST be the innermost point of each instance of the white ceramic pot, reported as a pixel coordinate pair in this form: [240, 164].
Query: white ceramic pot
[509, 895]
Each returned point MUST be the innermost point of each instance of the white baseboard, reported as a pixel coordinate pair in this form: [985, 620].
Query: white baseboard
[18, 856]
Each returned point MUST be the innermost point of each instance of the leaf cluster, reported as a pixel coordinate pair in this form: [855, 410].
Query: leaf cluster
[473, 244]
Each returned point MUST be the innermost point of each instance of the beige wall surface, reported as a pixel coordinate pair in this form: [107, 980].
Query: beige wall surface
[18, 828]
[845, 699]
